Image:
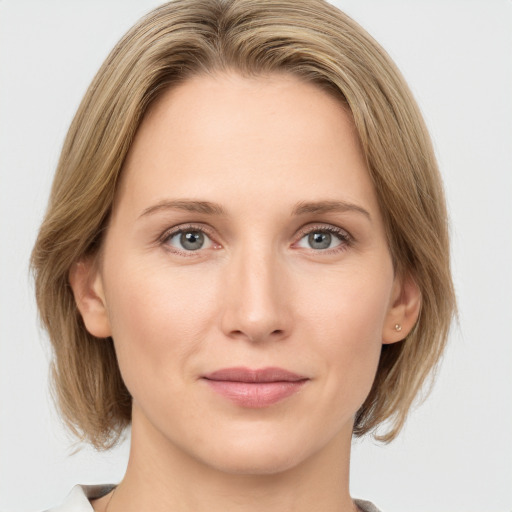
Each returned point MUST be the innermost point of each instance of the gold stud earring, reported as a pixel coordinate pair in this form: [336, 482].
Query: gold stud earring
[398, 327]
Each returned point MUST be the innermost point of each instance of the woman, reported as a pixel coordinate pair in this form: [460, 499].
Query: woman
[245, 257]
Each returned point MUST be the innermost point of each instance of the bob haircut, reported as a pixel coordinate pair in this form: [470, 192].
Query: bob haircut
[314, 41]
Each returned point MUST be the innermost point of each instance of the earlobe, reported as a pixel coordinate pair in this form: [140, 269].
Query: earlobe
[87, 286]
[404, 310]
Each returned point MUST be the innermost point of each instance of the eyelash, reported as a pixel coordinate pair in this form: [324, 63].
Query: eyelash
[167, 235]
[346, 240]
[343, 236]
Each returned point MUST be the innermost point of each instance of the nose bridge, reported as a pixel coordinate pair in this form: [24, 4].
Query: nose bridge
[256, 305]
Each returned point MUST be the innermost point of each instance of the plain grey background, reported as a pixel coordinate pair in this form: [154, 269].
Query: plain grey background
[455, 453]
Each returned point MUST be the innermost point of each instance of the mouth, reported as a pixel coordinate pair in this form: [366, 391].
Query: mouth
[255, 388]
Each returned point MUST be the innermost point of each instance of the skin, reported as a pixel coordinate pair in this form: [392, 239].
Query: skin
[256, 294]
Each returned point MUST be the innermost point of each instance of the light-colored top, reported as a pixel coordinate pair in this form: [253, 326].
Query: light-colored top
[78, 499]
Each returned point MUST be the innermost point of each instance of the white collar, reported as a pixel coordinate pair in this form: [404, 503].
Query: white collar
[78, 499]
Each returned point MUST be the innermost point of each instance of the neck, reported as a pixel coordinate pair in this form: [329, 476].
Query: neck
[161, 477]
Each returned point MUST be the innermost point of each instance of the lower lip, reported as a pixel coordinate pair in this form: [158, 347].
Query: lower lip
[255, 394]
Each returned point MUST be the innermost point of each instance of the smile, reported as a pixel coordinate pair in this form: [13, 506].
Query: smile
[255, 388]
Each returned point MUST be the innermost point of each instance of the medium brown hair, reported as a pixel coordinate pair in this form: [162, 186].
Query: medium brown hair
[312, 40]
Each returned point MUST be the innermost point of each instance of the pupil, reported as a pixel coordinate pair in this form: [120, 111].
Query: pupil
[319, 240]
[192, 240]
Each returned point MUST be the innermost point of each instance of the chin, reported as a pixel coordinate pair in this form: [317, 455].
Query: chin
[260, 463]
[256, 457]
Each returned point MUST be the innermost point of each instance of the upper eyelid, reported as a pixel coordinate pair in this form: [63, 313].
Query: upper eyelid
[309, 228]
[187, 227]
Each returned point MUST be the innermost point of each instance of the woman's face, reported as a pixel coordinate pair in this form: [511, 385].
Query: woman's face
[246, 244]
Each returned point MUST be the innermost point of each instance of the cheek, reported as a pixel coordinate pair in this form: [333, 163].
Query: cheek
[158, 318]
[352, 301]
[345, 314]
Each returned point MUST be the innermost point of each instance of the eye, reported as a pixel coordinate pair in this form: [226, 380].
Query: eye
[188, 240]
[321, 239]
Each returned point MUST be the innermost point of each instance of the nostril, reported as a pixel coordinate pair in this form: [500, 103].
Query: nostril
[254, 336]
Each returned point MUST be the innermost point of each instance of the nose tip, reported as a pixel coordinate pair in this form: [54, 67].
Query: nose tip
[256, 308]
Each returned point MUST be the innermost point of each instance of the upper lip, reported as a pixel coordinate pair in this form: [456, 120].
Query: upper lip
[241, 374]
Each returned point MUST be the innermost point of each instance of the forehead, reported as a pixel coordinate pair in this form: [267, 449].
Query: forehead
[274, 136]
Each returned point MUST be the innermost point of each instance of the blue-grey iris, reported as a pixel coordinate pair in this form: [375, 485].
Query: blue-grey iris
[192, 240]
[319, 240]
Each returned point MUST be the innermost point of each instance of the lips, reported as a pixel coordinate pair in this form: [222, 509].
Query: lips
[255, 388]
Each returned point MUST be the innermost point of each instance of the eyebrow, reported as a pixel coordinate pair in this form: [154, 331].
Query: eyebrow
[304, 207]
[301, 208]
[187, 205]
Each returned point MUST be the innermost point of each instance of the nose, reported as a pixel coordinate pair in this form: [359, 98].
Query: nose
[257, 306]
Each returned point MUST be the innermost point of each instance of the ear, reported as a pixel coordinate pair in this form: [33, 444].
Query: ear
[404, 309]
[87, 286]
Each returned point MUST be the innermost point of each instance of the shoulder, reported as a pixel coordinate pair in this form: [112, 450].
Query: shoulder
[78, 500]
[366, 506]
